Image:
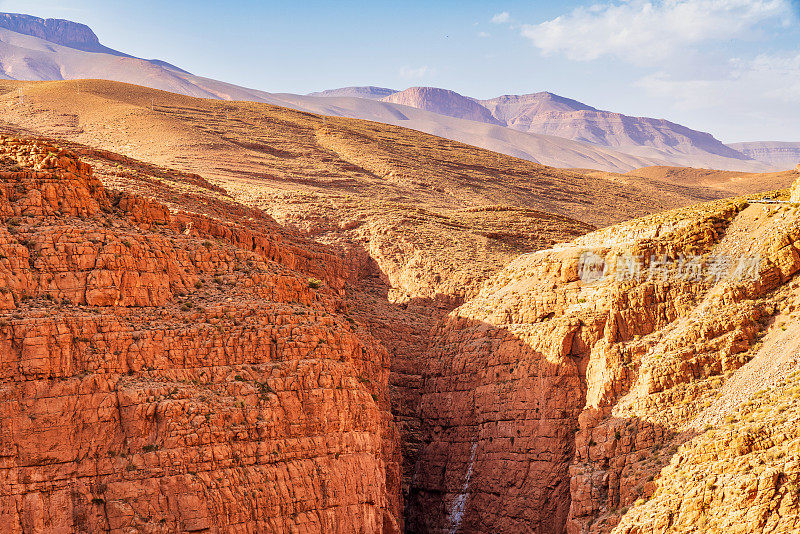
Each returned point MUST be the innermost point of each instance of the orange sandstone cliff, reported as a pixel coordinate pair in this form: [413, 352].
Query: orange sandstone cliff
[165, 371]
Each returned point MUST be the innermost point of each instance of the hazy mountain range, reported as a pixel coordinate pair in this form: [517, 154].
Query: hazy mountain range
[776, 153]
[540, 127]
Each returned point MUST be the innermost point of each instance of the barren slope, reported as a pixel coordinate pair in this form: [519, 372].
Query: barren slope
[333, 176]
[545, 149]
[735, 183]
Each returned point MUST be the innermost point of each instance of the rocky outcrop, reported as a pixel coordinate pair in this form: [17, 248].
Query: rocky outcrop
[739, 478]
[164, 371]
[59, 31]
[553, 399]
[795, 192]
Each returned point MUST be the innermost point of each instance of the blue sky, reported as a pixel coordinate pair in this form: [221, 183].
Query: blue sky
[730, 67]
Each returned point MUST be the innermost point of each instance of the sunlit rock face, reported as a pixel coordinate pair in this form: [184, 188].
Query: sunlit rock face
[796, 188]
[164, 371]
[552, 401]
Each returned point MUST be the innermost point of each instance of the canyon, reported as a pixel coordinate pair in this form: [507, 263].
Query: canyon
[649, 400]
[231, 316]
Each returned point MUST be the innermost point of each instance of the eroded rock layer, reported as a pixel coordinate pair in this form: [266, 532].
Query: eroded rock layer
[552, 401]
[163, 371]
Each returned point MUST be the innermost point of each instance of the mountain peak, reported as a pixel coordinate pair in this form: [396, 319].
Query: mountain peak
[444, 102]
[541, 102]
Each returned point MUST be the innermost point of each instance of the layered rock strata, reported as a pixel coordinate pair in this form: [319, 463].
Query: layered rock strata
[164, 371]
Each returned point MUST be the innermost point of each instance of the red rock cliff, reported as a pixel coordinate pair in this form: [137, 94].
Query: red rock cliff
[167, 372]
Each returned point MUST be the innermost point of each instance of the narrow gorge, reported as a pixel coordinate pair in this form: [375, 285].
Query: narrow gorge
[191, 365]
[550, 404]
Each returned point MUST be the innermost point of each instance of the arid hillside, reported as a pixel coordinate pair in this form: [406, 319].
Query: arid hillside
[331, 176]
[734, 183]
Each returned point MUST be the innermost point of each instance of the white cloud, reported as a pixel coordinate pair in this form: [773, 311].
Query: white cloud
[642, 31]
[771, 81]
[484, 34]
[415, 73]
[502, 18]
[758, 99]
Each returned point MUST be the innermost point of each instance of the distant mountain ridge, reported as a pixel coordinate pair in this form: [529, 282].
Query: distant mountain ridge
[64, 32]
[512, 109]
[540, 127]
[606, 128]
[549, 114]
[779, 154]
[68, 34]
[546, 113]
[369, 91]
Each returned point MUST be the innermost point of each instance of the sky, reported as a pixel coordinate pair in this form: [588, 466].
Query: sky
[729, 67]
